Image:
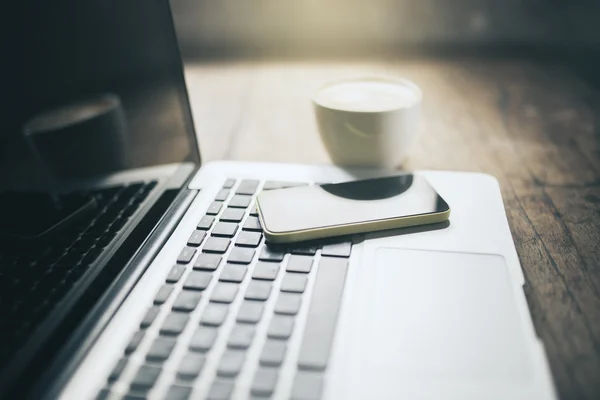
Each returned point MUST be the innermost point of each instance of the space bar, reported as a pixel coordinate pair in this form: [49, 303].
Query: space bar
[322, 314]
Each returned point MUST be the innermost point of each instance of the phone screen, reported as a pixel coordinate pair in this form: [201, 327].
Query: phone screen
[350, 203]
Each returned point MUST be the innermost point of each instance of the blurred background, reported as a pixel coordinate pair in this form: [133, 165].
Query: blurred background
[346, 27]
[233, 47]
[208, 31]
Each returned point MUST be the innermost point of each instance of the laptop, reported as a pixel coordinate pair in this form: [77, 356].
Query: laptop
[168, 290]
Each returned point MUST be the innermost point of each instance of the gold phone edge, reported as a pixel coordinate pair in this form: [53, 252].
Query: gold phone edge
[343, 230]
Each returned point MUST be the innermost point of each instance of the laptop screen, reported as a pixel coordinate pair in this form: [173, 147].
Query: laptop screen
[80, 60]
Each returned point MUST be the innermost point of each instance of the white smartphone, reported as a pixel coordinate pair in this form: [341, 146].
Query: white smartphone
[321, 211]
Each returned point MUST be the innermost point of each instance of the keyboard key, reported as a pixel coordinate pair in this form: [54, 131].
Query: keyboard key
[240, 201]
[266, 271]
[248, 239]
[131, 190]
[134, 396]
[216, 245]
[307, 386]
[135, 341]
[225, 229]
[299, 264]
[148, 186]
[258, 290]
[247, 187]
[322, 314]
[149, 317]
[288, 303]
[273, 353]
[104, 394]
[241, 336]
[271, 254]
[252, 224]
[187, 301]
[163, 294]
[206, 222]
[342, 249]
[222, 195]
[214, 314]
[281, 327]
[117, 370]
[207, 262]
[175, 273]
[203, 339]
[145, 377]
[177, 392]
[229, 183]
[220, 390]
[231, 363]
[197, 280]
[304, 250]
[233, 273]
[190, 366]
[196, 238]
[174, 324]
[264, 382]
[293, 282]
[270, 185]
[161, 349]
[241, 255]
[186, 255]
[232, 215]
[254, 211]
[250, 312]
[214, 208]
[224, 292]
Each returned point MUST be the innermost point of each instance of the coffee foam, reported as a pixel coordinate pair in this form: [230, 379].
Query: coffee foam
[368, 95]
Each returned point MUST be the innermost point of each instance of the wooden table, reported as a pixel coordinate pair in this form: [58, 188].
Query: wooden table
[534, 126]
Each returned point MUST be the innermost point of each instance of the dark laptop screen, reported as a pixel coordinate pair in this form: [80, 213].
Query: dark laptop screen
[89, 87]
[73, 51]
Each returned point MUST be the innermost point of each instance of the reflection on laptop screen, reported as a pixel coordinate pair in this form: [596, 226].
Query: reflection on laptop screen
[93, 87]
[76, 51]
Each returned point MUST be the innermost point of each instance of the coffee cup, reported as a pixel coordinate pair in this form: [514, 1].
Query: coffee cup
[80, 139]
[368, 121]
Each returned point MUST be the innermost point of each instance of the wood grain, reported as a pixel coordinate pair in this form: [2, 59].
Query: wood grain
[536, 127]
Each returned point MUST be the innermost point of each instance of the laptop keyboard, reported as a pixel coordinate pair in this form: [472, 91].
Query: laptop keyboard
[228, 283]
[33, 281]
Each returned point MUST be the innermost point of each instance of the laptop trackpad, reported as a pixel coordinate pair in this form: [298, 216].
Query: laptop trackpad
[441, 318]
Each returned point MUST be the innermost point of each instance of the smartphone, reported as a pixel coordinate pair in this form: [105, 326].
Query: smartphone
[315, 212]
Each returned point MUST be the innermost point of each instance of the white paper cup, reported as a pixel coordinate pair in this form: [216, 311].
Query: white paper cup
[368, 121]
